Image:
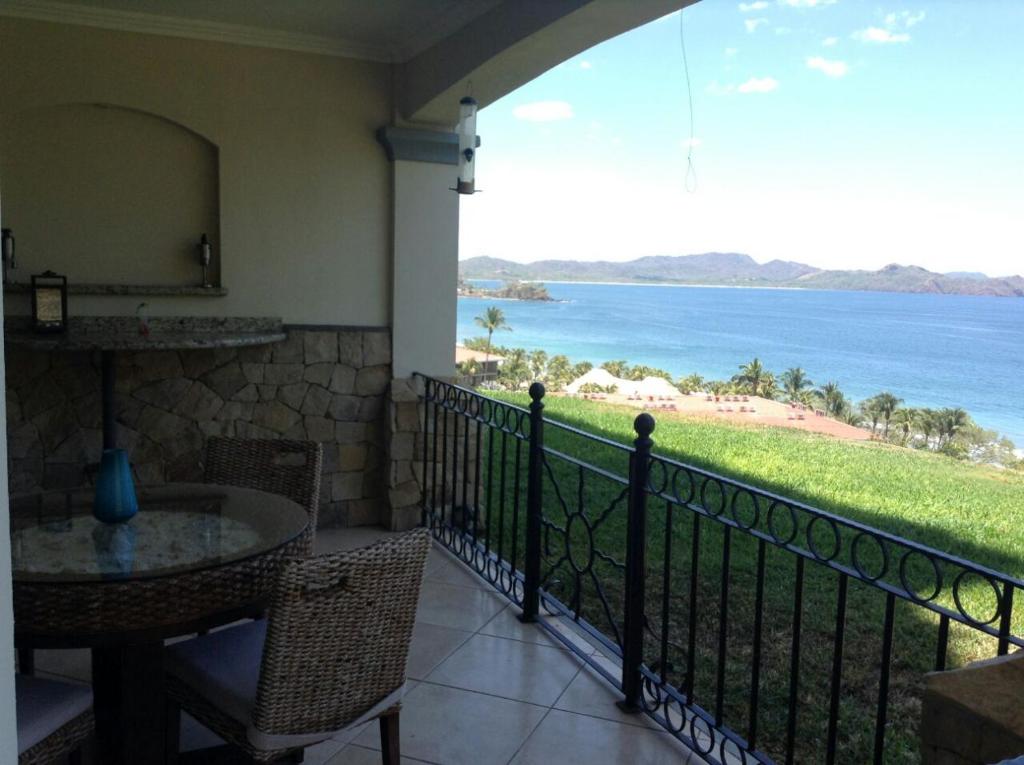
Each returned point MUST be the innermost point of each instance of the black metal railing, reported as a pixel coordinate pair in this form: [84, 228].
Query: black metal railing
[753, 627]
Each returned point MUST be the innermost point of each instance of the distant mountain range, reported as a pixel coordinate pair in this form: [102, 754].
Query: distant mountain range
[732, 269]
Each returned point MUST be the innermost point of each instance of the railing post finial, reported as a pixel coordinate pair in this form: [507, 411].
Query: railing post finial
[644, 425]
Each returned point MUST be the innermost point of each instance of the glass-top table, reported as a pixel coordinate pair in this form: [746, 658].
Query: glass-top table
[194, 557]
[180, 528]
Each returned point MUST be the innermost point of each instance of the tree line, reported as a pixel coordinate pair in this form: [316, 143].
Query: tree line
[949, 430]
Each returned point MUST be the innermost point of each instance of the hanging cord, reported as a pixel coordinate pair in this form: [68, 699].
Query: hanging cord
[690, 179]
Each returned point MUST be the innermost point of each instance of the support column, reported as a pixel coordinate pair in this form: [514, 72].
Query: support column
[425, 234]
[425, 242]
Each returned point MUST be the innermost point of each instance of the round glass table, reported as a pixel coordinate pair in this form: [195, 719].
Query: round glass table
[194, 557]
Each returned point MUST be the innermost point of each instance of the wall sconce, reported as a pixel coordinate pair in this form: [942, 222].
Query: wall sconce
[204, 259]
[7, 252]
[49, 302]
[467, 145]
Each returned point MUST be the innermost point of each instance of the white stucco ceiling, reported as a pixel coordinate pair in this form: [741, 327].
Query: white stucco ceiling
[389, 30]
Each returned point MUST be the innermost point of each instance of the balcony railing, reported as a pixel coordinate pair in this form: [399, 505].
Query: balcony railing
[753, 627]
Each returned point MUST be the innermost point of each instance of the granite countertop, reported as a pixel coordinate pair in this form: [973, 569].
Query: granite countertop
[121, 333]
[144, 290]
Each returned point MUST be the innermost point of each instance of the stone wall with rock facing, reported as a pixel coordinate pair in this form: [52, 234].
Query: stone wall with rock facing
[326, 385]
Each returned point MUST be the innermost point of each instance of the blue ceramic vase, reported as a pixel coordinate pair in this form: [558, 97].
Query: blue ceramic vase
[115, 500]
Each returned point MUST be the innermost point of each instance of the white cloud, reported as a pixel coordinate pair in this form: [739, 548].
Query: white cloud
[831, 68]
[543, 111]
[730, 52]
[757, 5]
[905, 19]
[828, 42]
[783, 30]
[910, 19]
[806, 3]
[752, 24]
[716, 88]
[690, 143]
[586, 65]
[759, 85]
[879, 35]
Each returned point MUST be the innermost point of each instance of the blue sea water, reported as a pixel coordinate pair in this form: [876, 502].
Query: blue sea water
[930, 350]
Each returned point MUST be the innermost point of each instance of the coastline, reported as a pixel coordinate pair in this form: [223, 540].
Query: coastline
[835, 335]
[735, 287]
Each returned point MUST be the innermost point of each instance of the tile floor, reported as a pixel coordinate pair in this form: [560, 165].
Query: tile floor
[484, 688]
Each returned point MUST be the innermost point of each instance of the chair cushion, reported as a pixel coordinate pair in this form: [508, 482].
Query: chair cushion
[45, 706]
[222, 666]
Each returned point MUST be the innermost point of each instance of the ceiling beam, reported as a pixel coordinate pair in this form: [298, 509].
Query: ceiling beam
[509, 46]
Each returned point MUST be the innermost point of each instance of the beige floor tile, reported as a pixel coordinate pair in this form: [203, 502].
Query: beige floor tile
[462, 608]
[511, 669]
[196, 736]
[432, 644]
[361, 755]
[451, 726]
[571, 739]
[321, 754]
[457, 572]
[590, 694]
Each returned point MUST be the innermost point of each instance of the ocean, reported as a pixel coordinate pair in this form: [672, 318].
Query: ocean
[930, 350]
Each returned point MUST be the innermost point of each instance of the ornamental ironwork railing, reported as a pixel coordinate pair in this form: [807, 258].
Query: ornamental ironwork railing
[753, 627]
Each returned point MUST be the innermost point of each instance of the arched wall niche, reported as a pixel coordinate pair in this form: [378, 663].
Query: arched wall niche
[109, 195]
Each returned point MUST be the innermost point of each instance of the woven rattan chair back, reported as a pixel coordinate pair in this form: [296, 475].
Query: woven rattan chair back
[338, 635]
[289, 468]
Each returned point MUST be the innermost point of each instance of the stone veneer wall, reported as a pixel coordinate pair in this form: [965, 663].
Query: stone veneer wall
[452, 466]
[405, 453]
[324, 385]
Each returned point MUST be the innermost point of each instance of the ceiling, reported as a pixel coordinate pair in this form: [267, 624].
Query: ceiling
[382, 30]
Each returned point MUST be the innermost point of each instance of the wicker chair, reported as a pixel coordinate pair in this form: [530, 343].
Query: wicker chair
[54, 719]
[289, 468]
[330, 656]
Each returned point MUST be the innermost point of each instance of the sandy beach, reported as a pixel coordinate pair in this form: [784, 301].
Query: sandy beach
[751, 410]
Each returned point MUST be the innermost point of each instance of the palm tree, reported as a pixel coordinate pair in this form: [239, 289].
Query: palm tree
[752, 375]
[769, 387]
[851, 416]
[538, 363]
[926, 421]
[718, 387]
[905, 419]
[870, 410]
[832, 397]
[887, 403]
[951, 422]
[559, 371]
[492, 319]
[690, 383]
[618, 368]
[794, 380]
[515, 371]
[580, 369]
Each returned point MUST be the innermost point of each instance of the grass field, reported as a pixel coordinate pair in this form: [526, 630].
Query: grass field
[969, 511]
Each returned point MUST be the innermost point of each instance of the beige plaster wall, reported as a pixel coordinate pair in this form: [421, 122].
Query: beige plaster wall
[80, 178]
[303, 186]
[8, 727]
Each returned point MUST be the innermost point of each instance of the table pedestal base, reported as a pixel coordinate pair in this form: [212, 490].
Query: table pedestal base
[128, 692]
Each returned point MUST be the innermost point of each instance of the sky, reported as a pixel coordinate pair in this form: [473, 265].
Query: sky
[839, 133]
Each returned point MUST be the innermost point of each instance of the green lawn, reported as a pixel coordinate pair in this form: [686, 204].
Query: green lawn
[969, 511]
